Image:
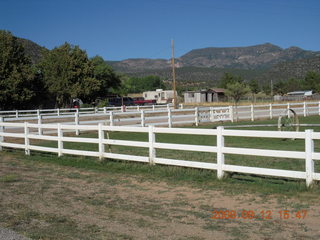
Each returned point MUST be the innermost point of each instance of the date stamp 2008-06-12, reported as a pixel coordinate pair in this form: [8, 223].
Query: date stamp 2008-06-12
[260, 214]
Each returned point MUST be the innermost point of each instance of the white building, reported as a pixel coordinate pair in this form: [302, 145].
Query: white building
[300, 93]
[297, 96]
[204, 96]
[161, 96]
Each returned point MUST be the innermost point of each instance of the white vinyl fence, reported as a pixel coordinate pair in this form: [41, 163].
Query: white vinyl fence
[159, 115]
[68, 111]
[218, 151]
[163, 117]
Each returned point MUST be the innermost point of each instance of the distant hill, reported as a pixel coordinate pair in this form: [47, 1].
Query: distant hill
[293, 69]
[252, 57]
[205, 67]
[210, 76]
[198, 76]
[138, 64]
[33, 50]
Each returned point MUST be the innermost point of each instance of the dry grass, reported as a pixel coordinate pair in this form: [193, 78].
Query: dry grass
[48, 201]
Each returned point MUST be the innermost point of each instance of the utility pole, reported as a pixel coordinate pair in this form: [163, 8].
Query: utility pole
[173, 77]
[271, 90]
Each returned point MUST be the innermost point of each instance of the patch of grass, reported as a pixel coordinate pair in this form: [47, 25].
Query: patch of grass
[9, 178]
[204, 179]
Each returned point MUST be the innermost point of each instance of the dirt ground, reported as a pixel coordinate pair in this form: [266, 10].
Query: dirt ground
[45, 201]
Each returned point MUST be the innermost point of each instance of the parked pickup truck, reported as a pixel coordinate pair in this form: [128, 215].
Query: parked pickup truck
[141, 101]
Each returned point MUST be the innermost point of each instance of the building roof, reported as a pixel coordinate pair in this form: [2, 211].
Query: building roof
[301, 93]
[218, 90]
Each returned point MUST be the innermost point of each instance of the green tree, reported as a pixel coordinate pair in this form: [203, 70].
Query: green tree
[228, 78]
[16, 74]
[266, 89]
[109, 80]
[294, 84]
[148, 83]
[312, 81]
[236, 91]
[68, 74]
[280, 88]
[254, 88]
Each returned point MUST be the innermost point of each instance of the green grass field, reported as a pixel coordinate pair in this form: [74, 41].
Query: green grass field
[243, 142]
[195, 175]
[71, 197]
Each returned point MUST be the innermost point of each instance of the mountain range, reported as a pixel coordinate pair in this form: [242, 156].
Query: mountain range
[204, 67]
[252, 57]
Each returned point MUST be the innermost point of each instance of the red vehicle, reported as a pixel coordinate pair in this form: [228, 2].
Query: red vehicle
[141, 101]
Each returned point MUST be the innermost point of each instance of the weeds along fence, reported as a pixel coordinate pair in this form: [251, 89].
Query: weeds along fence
[29, 141]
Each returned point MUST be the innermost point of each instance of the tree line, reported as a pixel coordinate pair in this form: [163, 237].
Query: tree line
[236, 87]
[63, 73]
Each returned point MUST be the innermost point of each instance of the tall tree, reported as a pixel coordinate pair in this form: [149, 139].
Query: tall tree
[254, 88]
[68, 74]
[312, 81]
[236, 91]
[109, 80]
[16, 74]
[148, 83]
[280, 88]
[228, 78]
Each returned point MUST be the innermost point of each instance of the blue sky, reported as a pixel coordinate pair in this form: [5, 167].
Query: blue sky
[121, 29]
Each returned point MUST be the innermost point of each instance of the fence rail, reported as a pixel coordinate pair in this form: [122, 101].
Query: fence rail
[162, 115]
[308, 155]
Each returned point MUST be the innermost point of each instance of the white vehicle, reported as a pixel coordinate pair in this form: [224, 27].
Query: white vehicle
[161, 96]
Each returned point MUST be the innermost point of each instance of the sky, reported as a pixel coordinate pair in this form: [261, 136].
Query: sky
[122, 29]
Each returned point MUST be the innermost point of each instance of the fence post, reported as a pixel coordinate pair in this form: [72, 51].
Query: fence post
[58, 112]
[304, 109]
[96, 110]
[211, 114]
[220, 155]
[154, 107]
[196, 116]
[288, 107]
[1, 131]
[60, 142]
[17, 114]
[39, 123]
[101, 139]
[168, 106]
[152, 150]
[252, 113]
[142, 118]
[231, 113]
[76, 120]
[319, 107]
[138, 108]
[169, 118]
[111, 118]
[105, 110]
[270, 110]
[309, 148]
[26, 138]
